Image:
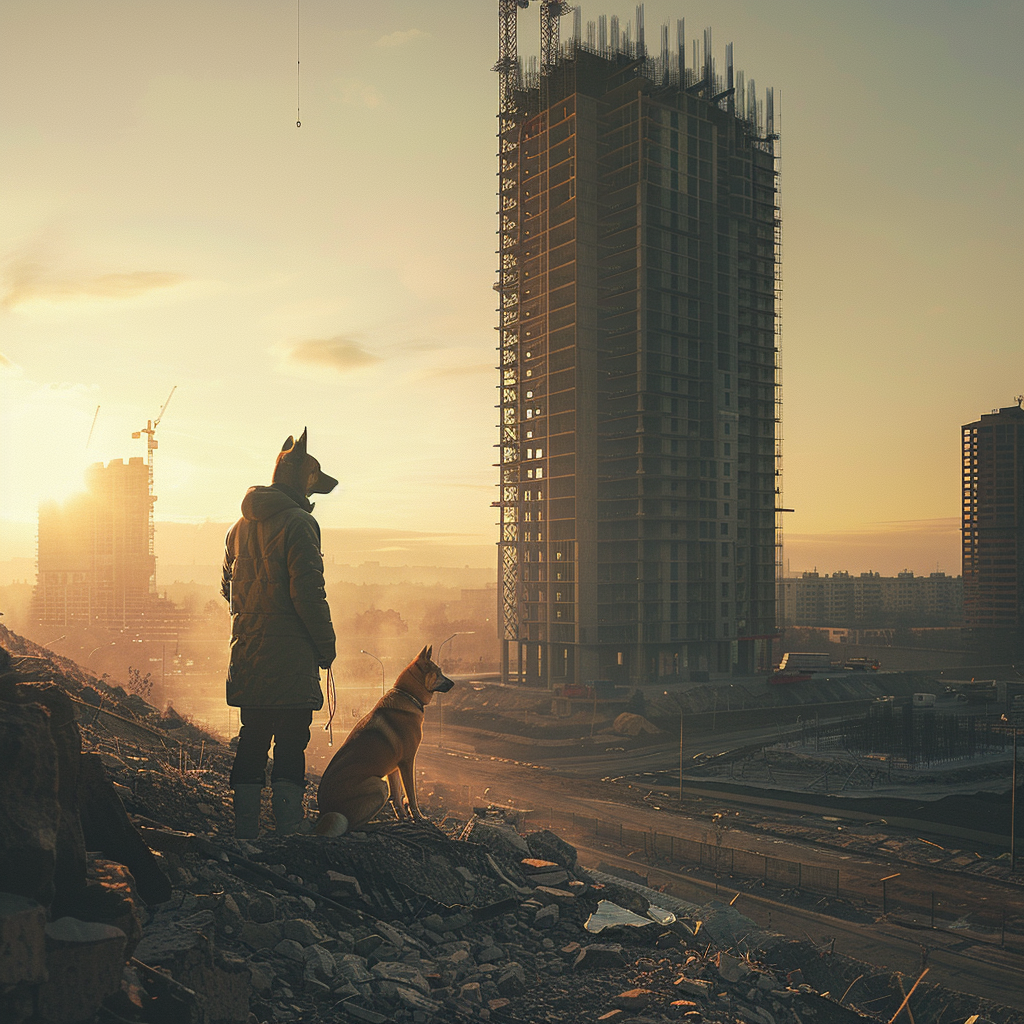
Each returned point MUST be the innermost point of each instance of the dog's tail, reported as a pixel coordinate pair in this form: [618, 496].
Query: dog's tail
[332, 823]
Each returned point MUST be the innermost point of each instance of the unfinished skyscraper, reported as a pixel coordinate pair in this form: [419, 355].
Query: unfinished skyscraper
[96, 564]
[993, 530]
[639, 345]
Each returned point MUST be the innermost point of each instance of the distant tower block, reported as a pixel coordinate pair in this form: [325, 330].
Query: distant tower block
[992, 520]
[95, 564]
[639, 341]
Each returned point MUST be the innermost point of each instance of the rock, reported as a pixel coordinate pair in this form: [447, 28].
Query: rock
[29, 809]
[22, 940]
[304, 932]
[366, 945]
[694, 986]
[392, 935]
[364, 1013]
[490, 954]
[546, 917]
[343, 885]
[549, 894]
[597, 955]
[549, 877]
[545, 845]
[470, 992]
[84, 961]
[500, 838]
[353, 968]
[633, 999]
[512, 979]
[402, 974]
[260, 936]
[416, 1000]
[434, 923]
[290, 949]
[318, 963]
[107, 829]
[732, 968]
[262, 976]
[184, 949]
[260, 908]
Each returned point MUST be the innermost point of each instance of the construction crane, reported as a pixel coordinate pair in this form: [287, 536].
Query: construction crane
[151, 446]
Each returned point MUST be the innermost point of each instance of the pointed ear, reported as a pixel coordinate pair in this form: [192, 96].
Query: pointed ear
[430, 652]
[300, 445]
[424, 654]
[289, 444]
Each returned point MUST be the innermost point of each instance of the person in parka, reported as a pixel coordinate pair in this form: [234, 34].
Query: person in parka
[281, 635]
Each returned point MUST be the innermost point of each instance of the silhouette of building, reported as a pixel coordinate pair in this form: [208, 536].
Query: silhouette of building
[993, 530]
[639, 347]
[95, 560]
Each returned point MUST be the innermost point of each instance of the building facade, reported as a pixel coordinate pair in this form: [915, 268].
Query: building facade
[95, 558]
[639, 346]
[871, 600]
[992, 518]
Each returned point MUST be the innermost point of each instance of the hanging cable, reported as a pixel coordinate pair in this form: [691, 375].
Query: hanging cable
[298, 63]
[332, 706]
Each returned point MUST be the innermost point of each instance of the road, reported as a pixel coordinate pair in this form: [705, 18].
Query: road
[910, 894]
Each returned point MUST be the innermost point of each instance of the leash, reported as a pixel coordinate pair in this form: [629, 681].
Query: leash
[332, 706]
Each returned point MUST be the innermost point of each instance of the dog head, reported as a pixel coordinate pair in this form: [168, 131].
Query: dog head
[298, 470]
[422, 678]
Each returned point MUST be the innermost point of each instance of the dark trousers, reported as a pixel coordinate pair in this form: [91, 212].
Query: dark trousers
[288, 728]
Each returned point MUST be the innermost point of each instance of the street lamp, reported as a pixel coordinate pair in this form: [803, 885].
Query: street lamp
[440, 717]
[461, 632]
[379, 662]
[95, 649]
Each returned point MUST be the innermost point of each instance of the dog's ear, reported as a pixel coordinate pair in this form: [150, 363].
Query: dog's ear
[430, 652]
[288, 444]
[300, 445]
[424, 655]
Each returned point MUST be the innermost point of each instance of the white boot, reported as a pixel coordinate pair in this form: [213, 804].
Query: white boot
[332, 823]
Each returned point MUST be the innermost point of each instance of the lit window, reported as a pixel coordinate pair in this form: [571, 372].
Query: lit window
[540, 453]
[540, 473]
[529, 394]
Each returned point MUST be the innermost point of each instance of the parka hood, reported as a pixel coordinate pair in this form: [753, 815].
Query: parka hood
[262, 502]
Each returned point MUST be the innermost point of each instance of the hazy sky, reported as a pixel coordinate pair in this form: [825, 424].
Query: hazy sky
[163, 222]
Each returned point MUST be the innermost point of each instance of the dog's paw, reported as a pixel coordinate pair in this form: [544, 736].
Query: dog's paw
[332, 823]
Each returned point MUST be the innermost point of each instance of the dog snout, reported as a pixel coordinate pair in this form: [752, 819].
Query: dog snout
[443, 684]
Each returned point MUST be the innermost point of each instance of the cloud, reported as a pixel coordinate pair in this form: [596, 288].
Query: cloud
[27, 277]
[401, 37]
[337, 353]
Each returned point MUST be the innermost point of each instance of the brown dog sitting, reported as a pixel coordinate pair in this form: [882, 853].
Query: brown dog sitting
[376, 761]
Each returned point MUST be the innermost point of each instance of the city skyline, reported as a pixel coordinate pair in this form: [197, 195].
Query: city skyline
[166, 224]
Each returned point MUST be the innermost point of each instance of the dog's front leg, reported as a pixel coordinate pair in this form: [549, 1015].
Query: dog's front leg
[408, 770]
[398, 795]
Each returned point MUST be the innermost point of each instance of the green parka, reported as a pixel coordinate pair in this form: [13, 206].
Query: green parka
[273, 579]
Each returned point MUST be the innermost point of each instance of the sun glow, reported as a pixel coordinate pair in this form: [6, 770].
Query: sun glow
[44, 455]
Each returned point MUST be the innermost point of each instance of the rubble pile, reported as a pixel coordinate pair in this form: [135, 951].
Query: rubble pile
[465, 918]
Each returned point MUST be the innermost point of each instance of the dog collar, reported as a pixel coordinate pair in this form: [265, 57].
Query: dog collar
[405, 693]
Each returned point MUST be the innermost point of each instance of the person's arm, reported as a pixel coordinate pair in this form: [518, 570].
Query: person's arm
[229, 562]
[307, 587]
